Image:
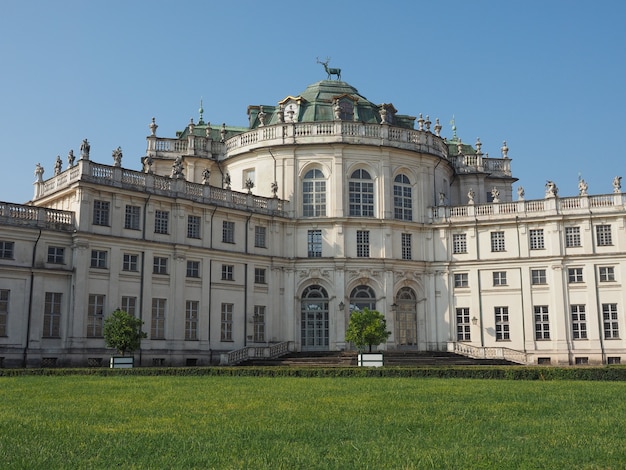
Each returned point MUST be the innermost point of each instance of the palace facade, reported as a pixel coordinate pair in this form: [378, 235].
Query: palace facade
[243, 242]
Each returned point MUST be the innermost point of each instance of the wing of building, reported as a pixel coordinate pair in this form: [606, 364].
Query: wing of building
[235, 241]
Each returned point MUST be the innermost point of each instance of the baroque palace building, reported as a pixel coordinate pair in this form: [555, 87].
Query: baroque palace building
[245, 242]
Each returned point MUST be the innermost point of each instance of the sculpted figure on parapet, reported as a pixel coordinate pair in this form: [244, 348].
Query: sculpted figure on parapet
[617, 184]
[551, 189]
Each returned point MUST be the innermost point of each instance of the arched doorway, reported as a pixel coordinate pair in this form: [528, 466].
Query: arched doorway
[314, 319]
[362, 297]
[406, 318]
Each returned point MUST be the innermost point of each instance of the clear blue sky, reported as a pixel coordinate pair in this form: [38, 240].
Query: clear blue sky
[546, 76]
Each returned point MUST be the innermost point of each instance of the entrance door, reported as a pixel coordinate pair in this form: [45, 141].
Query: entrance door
[406, 318]
[314, 319]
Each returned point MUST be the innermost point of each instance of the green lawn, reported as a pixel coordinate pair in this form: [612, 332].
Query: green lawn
[294, 423]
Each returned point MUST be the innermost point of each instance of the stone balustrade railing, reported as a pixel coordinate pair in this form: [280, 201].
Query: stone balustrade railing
[238, 356]
[19, 214]
[477, 352]
[118, 177]
[567, 205]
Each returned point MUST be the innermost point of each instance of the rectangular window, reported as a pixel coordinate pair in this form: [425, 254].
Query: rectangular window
[101, 212]
[609, 316]
[497, 241]
[157, 328]
[99, 259]
[542, 322]
[226, 330]
[227, 272]
[575, 275]
[161, 222]
[260, 237]
[193, 268]
[193, 226]
[502, 323]
[259, 276]
[159, 265]
[132, 217]
[129, 305]
[259, 323]
[536, 239]
[363, 243]
[579, 322]
[192, 307]
[538, 276]
[461, 280]
[56, 255]
[228, 232]
[6, 250]
[603, 235]
[499, 278]
[463, 324]
[607, 273]
[459, 243]
[4, 311]
[572, 237]
[314, 243]
[130, 262]
[406, 246]
[52, 315]
[95, 316]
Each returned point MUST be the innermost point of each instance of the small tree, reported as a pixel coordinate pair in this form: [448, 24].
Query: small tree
[367, 328]
[123, 332]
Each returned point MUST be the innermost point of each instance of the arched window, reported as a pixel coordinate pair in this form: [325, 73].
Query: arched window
[406, 317]
[402, 200]
[362, 297]
[361, 189]
[314, 319]
[314, 194]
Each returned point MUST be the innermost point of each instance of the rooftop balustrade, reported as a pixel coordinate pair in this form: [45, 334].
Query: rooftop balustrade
[41, 217]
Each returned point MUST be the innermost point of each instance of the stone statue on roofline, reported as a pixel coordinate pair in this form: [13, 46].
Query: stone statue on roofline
[206, 174]
[71, 158]
[617, 184]
[58, 166]
[551, 189]
[38, 173]
[470, 196]
[226, 180]
[177, 168]
[520, 193]
[117, 157]
[495, 194]
[84, 150]
[582, 187]
[147, 164]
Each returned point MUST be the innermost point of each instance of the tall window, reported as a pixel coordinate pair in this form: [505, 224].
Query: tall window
[191, 319]
[129, 305]
[575, 274]
[463, 324]
[159, 265]
[95, 315]
[101, 212]
[459, 243]
[461, 280]
[402, 200]
[538, 276]
[607, 273]
[193, 268]
[497, 241]
[609, 316]
[4, 311]
[259, 323]
[228, 232]
[406, 246]
[52, 315]
[6, 250]
[130, 262]
[542, 322]
[259, 276]
[314, 194]
[56, 255]
[157, 327]
[572, 237]
[499, 278]
[193, 226]
[536, 239]
[363, 243]
[260, 236]
[98, 259]
[132, 218]
[361, 189]
[161, 222]
[226, 329]
[314, 243]
[603, 235]
[502, 323]
[227, 272]
[579, 322]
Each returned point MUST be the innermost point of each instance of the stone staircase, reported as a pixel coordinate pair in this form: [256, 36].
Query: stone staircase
[392, 358]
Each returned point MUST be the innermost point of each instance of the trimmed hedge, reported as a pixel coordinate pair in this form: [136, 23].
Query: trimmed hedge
[607, 373]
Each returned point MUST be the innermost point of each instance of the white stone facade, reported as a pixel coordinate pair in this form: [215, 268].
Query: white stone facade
[315, 218]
